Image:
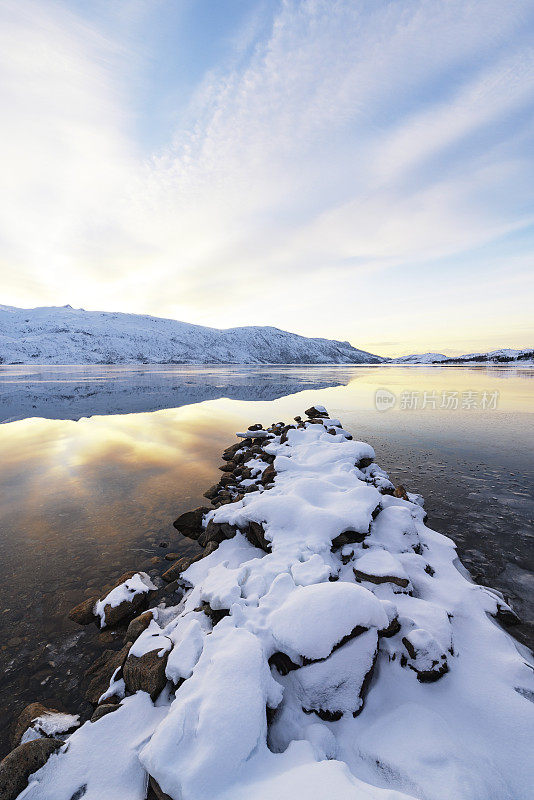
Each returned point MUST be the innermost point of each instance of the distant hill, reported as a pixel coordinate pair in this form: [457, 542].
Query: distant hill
[503, 356]
[74, 336]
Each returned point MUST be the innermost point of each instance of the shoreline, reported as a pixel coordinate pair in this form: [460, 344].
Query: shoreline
[237, 482]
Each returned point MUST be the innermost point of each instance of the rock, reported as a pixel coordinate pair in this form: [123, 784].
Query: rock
[230, 452]
[426, 656]
[190, 523]
[229, 466]
[177, 568]
[348, 537]
[377, 579]
[154, 560]
[364, 462]
[83, 613]
[25, 719]
[172, 556]
[210, 493]
[138, 625]
[506, 615]
[256, 427]
[101, 672]
[23, 761]
[155, 788]
[315, 412]
[400, 491]
[146, 672]
[127, 608]
[268, 475]
[255, 533]
[101, 711]
[226, 480]
[216, 532]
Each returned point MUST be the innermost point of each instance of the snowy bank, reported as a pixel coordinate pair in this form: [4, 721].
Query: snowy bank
[324, 644]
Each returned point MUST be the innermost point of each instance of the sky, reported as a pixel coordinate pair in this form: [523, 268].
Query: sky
[355, 169]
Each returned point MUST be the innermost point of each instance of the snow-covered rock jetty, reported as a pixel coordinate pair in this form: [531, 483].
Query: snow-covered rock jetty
[325, 644]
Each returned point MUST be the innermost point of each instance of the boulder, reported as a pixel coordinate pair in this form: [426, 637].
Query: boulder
[228, 466]
[23, 761]
[427, 658]
[211, 493]
[32, 712]
[179, 566]
[83, 613]
[268, 475]
[101, 711]
[156, 790]
[231, 451]
[190, 523]
[216, 532]
[316, 412]
[138, 625]
[128, 608]
[400, 491]
[255, 533]
[146, 673]
[101, 672]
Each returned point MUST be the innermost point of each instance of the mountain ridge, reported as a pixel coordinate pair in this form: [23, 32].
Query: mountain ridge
[64, 335]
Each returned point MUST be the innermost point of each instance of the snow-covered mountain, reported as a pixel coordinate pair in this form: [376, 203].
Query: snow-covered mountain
[74, 336]
[502, 356]
[422, 358]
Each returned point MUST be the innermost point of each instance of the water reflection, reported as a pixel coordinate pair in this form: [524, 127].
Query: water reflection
[84, 501]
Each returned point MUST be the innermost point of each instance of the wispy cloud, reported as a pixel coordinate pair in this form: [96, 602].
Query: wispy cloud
[344, 143]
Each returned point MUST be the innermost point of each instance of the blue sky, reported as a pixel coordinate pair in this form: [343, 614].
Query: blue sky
[353, 169]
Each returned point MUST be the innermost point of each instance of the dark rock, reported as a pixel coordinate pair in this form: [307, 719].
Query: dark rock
[190, 523]
[255, 533]
[226, 480]
[83, 613]
[348, 537]
[215, 614]
[23, 761]
[256, 427]
[314, 413]
[364, 462]
[282, 663]
[212, 492]
[507, 615]
[163, 544]
[128, 608]
[378, 579]
[26, 718]
[146, 672]
[393, 628]
[400, 491]
[268, 475]
[216, 532]
[101, 711]
[229, 466]
[138, 625]
[178, 567]
[420, 658]
[158, 793]
[101, 672]
[230, 452]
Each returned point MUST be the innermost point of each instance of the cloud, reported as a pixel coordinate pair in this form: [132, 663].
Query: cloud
[345, 141]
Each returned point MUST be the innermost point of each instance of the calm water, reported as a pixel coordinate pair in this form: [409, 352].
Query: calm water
[93, 475]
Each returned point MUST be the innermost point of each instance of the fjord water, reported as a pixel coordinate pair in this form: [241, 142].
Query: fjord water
[96, 462]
